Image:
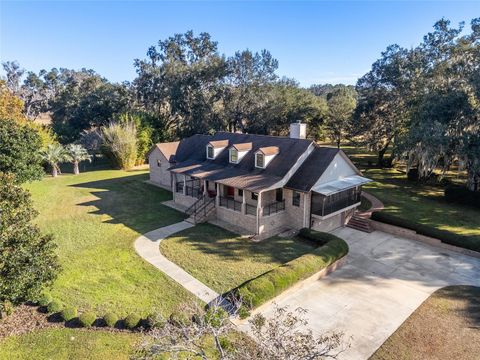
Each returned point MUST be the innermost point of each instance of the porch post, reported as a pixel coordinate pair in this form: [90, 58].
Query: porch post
[259, 211]
[217, 198]
[244, 206]
[184, 185]
[205, 190]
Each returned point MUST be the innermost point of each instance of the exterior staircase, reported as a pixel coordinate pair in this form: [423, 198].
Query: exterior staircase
[359, 223]
[201, 210]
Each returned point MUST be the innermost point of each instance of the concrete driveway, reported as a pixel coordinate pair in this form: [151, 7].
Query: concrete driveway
[384, 280]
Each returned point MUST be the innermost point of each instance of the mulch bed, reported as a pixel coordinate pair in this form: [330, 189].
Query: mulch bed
[28, 318]
[25, 318]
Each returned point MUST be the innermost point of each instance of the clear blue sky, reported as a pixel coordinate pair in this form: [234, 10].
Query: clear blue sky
[315, 42]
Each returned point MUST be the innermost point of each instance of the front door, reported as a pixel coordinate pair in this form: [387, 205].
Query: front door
[230, 191]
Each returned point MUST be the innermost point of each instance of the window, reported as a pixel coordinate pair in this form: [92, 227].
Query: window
[210, 152]
[259, 160]
[240, 192]
[233, 156]
[295, 198]
[159, 163]
[279, 195]
[254, 196]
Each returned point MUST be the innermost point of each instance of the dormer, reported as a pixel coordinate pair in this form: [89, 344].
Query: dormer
[215, 147]
[264, 155]
[238, 151]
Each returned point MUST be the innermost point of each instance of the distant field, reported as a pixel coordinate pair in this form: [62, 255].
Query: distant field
[418, 202]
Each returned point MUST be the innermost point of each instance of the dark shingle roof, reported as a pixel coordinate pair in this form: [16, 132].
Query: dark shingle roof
[191, 159]
[312, 168]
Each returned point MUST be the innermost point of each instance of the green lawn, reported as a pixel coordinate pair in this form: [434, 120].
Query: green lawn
[69, 344]
[95, 217]
[222, 260]
[417, 202]
[445, 326]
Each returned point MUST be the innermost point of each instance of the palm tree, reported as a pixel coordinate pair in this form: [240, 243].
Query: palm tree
[54, 154]
[75, 154]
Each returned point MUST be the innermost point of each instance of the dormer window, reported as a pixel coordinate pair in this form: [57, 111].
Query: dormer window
[210, 152]
[259, 160]
[215, 147]
[233, 156]
[264, 155]
[238, 151]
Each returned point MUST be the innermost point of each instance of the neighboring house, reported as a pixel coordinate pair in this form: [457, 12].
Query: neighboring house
[264, 184]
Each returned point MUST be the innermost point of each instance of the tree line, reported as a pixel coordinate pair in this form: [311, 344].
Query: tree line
[420, 105]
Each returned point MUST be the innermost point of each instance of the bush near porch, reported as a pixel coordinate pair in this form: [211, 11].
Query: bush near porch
[259, 290]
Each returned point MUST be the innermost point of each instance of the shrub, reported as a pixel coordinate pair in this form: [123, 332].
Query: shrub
[110, 319]
[87, 319]
[132, 321]
[462, 195]
[45, 299]
[266, 286]
[120, 143]
[467, 242]
[6, 308]
[243, 312]
[179, 318]
[55, 306]
[154, 321]
[320, 238]
[69, 313]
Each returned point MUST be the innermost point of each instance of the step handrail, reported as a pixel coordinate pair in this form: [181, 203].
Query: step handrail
[204, 210]
[194, 205]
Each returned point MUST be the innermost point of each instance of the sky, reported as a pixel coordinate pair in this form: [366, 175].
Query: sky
[315, 42]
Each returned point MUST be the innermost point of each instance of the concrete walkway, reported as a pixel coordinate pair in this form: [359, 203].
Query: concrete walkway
[385, 279]
[148, 247]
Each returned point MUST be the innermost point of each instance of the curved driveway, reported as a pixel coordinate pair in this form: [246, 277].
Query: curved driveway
[384, 280]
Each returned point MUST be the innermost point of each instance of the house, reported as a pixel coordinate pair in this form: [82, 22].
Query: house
[263, 184]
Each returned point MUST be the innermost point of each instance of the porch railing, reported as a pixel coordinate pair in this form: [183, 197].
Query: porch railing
[274, 208]
[230, 203]
[251, 209]
[179, 187]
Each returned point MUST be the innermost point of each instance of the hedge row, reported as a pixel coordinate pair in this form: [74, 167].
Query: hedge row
[87, 319]
[467, 242]
[257, 291]
[461, 195]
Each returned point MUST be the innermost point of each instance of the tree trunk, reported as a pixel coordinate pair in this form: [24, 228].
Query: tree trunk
[76, 170]
[473, 180]
[381, 154]
[338, 143]
[54, 171]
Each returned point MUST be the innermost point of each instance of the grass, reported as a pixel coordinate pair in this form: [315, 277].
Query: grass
[95, 217]
[445, 326]
[222, 260]
[66, 344]
[421, 203]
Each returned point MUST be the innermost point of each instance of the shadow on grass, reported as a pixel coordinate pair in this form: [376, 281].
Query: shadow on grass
[469, 296]
[130, 201]
[213, 240]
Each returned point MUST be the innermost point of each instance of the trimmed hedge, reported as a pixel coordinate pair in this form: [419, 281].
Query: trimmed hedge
[87, 319]
[467, 242]
[110, 319]
[257, 291]
[45, 299]
[69, 313]
[461, 195]
[132, 321]
[55, 306]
